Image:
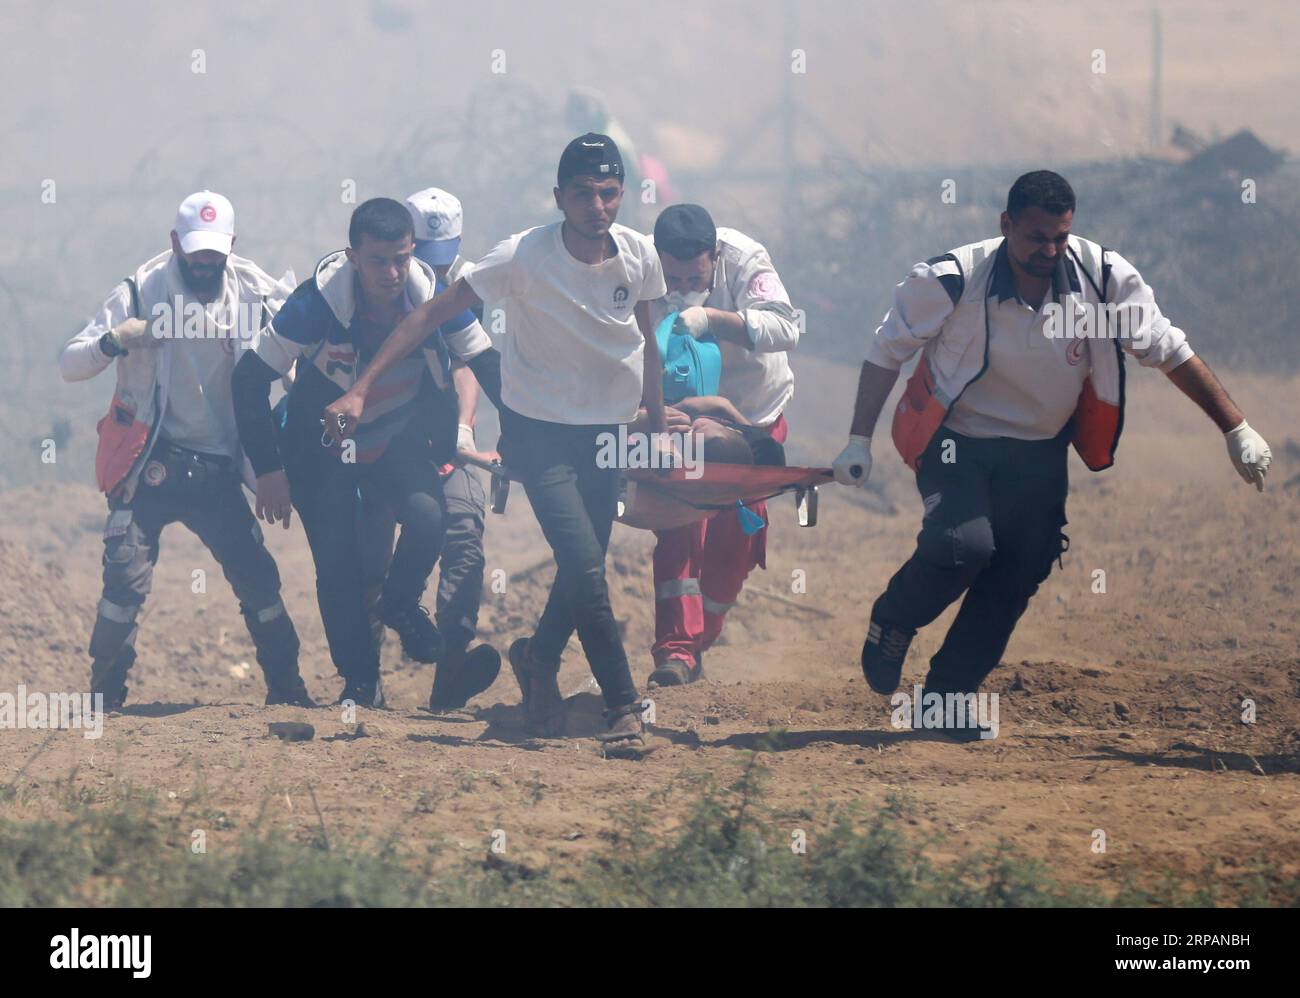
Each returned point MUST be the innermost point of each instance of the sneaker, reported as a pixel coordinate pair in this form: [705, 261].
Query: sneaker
[463, 675]
[420, 638]
[882, 656]
[542, 701]
[625, 730]
[676, 672]
[368, 693]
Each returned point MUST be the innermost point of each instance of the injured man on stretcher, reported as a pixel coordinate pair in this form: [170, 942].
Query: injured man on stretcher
[722, 435]
[720, 441]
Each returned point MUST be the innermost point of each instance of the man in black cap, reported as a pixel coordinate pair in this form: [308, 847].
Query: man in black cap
[579, 353]
[722, 284]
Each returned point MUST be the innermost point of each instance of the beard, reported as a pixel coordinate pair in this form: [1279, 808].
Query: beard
[203, 280]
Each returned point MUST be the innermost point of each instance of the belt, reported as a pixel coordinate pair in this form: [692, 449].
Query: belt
[170, 461]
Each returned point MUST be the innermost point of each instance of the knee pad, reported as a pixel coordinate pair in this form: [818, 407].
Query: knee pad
[968, 544]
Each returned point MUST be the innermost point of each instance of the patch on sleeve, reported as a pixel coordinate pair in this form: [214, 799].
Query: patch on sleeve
[118, 522]
[765, 286]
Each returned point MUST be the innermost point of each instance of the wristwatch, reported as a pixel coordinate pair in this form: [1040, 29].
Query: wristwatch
[108, 343]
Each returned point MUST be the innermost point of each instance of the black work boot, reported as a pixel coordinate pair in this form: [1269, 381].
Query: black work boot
[463, 675]
[677, 672]
[276, 642]
[882, 656]
[363, 693]
[109, 678]
[420, 638]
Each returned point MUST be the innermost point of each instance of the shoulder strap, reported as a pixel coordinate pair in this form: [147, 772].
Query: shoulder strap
[1104, 286]
[134, 312]
[954, 284]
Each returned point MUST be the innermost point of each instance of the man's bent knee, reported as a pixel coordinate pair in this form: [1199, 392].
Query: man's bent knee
[968, 544]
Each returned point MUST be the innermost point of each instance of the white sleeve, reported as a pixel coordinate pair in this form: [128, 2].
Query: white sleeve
[1153, 339]
[469, 342]
[764, 305]
[81, 357]
[277, 350]
[493, 277]
[921, 306]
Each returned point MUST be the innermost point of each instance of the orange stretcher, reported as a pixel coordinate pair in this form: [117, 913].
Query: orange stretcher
[662, 500]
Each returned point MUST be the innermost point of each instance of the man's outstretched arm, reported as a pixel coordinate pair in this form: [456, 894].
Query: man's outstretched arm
[1248, 451]
[412, 331]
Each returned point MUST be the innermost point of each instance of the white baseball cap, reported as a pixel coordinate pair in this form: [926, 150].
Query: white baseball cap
[437, 218]
[205, 221]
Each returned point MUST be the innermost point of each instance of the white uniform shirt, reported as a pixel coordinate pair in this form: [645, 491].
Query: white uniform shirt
[758, 379]
[572, 351]
[1032, 384]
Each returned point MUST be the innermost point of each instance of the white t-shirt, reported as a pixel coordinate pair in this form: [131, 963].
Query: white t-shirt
[200, 414]
[572, 352]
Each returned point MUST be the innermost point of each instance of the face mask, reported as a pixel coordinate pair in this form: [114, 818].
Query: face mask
[678, 300]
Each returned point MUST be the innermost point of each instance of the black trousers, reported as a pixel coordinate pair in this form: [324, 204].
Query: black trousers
[991, 530]
[575, 502]
[204, 494]
[460, 562]
[327, 494]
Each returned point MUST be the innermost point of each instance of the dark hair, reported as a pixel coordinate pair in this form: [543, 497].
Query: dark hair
[684, 249]
[1040, 189]
[380, 218]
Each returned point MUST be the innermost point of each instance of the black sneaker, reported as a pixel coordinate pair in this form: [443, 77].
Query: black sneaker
[363, 693]
[882, 656]
[462, 675]
[420, 638]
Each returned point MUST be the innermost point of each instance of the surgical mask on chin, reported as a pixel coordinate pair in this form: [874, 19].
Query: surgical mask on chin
[678, 300]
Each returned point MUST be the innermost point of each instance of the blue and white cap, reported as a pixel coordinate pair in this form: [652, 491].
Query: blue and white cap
[437, 218]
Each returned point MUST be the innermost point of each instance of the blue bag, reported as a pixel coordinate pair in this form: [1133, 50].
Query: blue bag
[691, 367]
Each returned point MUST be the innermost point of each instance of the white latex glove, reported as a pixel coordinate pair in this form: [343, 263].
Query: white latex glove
[854, 463]
[464, 437]
[1249, 453]
[134, 334]
[693, 322]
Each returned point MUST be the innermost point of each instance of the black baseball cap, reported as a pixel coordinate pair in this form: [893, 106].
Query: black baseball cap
[592, 155]
[685, 231]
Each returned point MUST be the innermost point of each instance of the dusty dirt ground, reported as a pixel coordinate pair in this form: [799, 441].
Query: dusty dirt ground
[1119, 711]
